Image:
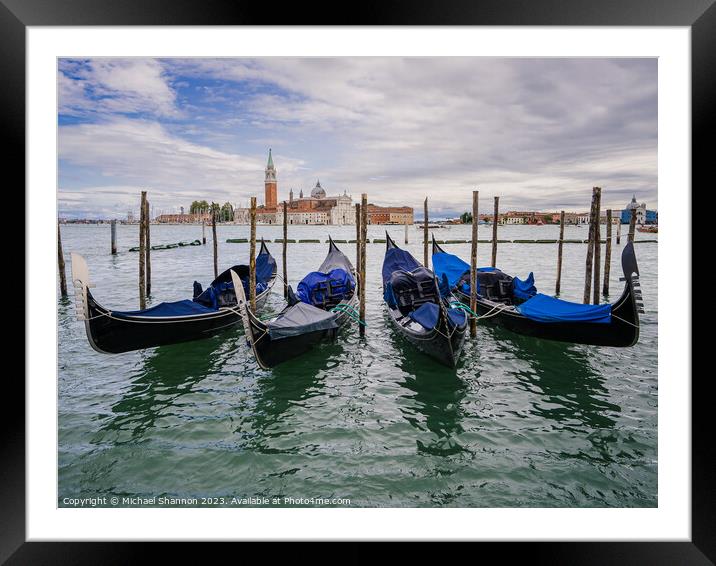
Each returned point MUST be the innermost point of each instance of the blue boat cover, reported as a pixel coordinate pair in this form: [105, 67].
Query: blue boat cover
[450, 266]
[265, 265]
[427, 316]
[316, 287]
[397, 259]
[543, 308]
[524, 289]
[178, 308]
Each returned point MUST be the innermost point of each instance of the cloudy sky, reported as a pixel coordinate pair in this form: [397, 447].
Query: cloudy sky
[537, 132]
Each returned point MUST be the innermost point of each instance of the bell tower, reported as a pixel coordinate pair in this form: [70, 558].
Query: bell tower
[270, 186]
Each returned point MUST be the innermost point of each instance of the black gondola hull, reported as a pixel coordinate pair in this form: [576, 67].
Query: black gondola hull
[271, 352]
[621, 331]
[439, 345]
[114, 335]
[443, 343]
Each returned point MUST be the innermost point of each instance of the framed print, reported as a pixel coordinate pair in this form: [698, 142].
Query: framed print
[395, 280]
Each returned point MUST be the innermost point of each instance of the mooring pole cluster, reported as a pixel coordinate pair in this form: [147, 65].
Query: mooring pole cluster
[363, 238]
[425, 233]
[113, 236]
[214, 212]
[607, 254]
[252, 257]
[597, 247]
[632, 225]
[495, 220]
[285, 249]
[61, 263]
[558, 285]
[142, 252]
[473, 263]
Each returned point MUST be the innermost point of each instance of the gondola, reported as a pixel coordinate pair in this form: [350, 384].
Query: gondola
[418, 310]
[324, 301]
[209, 311]
[515, 304]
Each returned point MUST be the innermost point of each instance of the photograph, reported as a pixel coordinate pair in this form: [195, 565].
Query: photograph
[347, 282]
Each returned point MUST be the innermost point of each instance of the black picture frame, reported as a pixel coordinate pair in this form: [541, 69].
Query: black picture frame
[699, 15]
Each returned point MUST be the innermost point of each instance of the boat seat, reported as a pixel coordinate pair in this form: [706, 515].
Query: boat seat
[414, 288]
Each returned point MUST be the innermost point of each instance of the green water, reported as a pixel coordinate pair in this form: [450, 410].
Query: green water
[520, 423]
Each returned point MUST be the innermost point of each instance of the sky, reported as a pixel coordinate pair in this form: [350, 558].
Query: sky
[538, 133]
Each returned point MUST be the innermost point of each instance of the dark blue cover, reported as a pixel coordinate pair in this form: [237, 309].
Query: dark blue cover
[524, 289]
[543, 308]
[316, 287]
[456, 317]
[450, 266]
[265, 265]
[178, 308]
[426, 315]
[397, 259]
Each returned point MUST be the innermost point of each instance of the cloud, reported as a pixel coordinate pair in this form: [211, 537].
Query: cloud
[538, 132]
[126, 86]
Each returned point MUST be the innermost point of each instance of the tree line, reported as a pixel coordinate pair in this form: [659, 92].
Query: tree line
[224, 213]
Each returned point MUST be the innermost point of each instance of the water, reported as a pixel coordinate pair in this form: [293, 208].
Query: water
[522, 422]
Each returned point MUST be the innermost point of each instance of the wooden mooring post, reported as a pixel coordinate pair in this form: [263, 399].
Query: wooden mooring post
[590, 252]
[142, 253]
[607, 254]
[425, 233]
[597, 247]
[473, 264]
[113, 236]
[285, 249]
[203, 232]
[632, 225]
[560, 247]
[148, 247]
[214, 212]
[495, 219]
[252, 257]
[619, 230]
[61, 263]
[406, 231]
[358, 242]
[363, 238]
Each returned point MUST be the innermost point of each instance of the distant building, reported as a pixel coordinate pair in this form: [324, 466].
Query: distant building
[317, 208]
[389, 214]
[643, 216]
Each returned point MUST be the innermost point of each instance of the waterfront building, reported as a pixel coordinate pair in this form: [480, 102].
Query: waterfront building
[643, 216]
[316, 208]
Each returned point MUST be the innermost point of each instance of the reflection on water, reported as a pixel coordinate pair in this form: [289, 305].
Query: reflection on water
[520, 422]
[168, 373]
[569, 391]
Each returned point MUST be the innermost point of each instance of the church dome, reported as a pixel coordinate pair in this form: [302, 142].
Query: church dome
[318, 191]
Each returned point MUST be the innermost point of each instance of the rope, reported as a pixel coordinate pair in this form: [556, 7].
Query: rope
[351, 312]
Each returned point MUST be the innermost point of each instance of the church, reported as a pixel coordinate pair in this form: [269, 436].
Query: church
[317, 207]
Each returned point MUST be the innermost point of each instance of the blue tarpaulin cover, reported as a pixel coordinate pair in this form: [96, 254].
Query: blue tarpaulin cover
[549, 309]
[313, 289]
[265, 264]
[450, 266]
[397, 259]
[178, 308]
[427, 316]
[524, 289]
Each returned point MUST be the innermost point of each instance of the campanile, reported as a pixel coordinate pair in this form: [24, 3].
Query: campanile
[270, 184]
